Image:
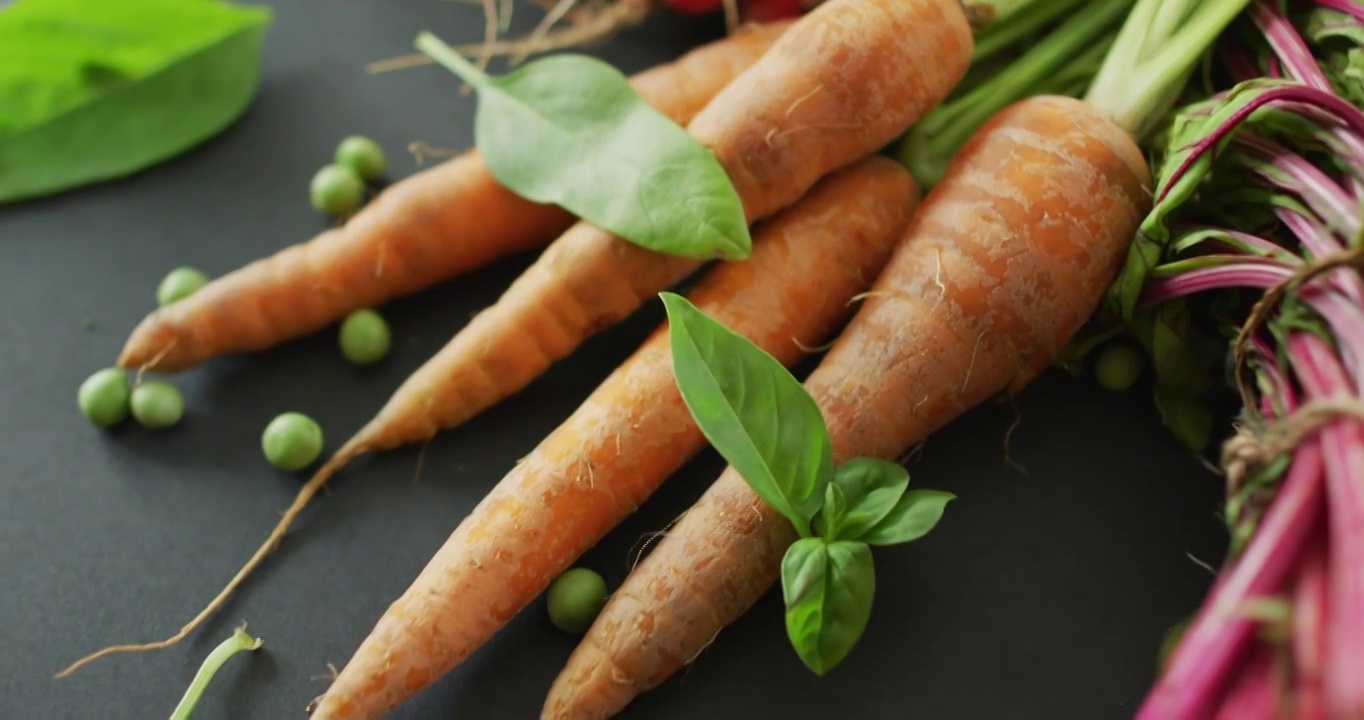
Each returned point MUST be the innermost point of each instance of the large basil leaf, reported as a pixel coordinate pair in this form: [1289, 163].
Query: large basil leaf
[570, 130]
[750, 408]
[91, 91]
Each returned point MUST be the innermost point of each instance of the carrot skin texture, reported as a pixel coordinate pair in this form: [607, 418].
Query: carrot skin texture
[624, 441]
[1003, 262]
[817, 101]
[441, 222]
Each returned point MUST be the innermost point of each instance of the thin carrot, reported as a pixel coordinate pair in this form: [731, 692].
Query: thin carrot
[1004, 261]
[447, 220]
[438, 223]
[624, 440]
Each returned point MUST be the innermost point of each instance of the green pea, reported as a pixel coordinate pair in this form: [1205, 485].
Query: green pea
[292, 441]
[1118, 366]
[364, 337]
[337, 190]
[103, 397]
[178, 284]
[157, 404]
[575, 598]
[362, 155]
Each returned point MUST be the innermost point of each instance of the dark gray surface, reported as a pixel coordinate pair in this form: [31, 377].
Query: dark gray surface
[1039, 596]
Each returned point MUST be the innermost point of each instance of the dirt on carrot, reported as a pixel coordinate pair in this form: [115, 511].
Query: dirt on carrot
[624, 441]
[1003, 263]
[441, 222]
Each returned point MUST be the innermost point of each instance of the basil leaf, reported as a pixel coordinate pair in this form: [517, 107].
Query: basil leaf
[570, 130]
[871, 487]
[828, 588]
[91, 91]
[750, 408]
[831, 514]
[917, 513]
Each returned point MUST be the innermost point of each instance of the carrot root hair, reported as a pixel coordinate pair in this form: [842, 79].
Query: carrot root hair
[593, 26]
[348, 452]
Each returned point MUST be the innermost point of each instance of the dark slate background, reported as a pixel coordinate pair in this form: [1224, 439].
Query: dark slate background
[1042, 595]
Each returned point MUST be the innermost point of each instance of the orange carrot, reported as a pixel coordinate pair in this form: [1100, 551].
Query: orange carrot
[1004, 261]
[777, 129]
[623, 441]
[840, 83]
[441, 222]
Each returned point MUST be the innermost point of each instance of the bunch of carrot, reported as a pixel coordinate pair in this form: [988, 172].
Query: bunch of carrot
[970, 293]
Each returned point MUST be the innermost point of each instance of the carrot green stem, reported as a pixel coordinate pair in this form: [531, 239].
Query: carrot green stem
[1153, 57]
[238, 642]
[999, 36]
[1064, 58]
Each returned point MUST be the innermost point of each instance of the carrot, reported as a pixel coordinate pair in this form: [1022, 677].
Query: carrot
[623, 441]
[777, 129]
[441, 222]
[1004, 261]
[840, 83]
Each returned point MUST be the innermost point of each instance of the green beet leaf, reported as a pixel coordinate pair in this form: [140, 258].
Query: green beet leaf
[570, 130]
[754, 413]
[869, 489]
[828, 588]
[91, 91]
[913, 517]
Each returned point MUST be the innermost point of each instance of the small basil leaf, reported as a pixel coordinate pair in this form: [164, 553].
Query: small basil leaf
[570, 130]
[871, 487]
[830, 517]
[911, 518]
[750, 408]
[828, 589]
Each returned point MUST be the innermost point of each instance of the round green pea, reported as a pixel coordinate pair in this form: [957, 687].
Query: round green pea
[364, 337]
[103, 397]
[575, 598]
[292, 441]
[157, 404]
[179, 284]
[362, 155]
[337, 190]
[1117, 367]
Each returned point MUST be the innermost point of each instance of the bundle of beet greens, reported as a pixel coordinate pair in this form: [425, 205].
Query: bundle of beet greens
[1252, 252]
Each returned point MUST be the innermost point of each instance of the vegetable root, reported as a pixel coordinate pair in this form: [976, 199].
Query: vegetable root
[441, 222]
[623, 441]
[399, 244]
[780, 127]
[1004, 261]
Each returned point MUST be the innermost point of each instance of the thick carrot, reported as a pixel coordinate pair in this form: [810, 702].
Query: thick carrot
[441, 222]
[1004, 261]
[624, 441]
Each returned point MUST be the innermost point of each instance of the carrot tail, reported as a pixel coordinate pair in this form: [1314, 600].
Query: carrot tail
[1004, 261]
[624, 441]
[436, 224]
[305, 494]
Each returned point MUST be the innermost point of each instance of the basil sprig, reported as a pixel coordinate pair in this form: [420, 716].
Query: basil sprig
[760, 419]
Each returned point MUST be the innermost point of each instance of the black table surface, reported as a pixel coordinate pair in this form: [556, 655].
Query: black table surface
[1040, 595]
